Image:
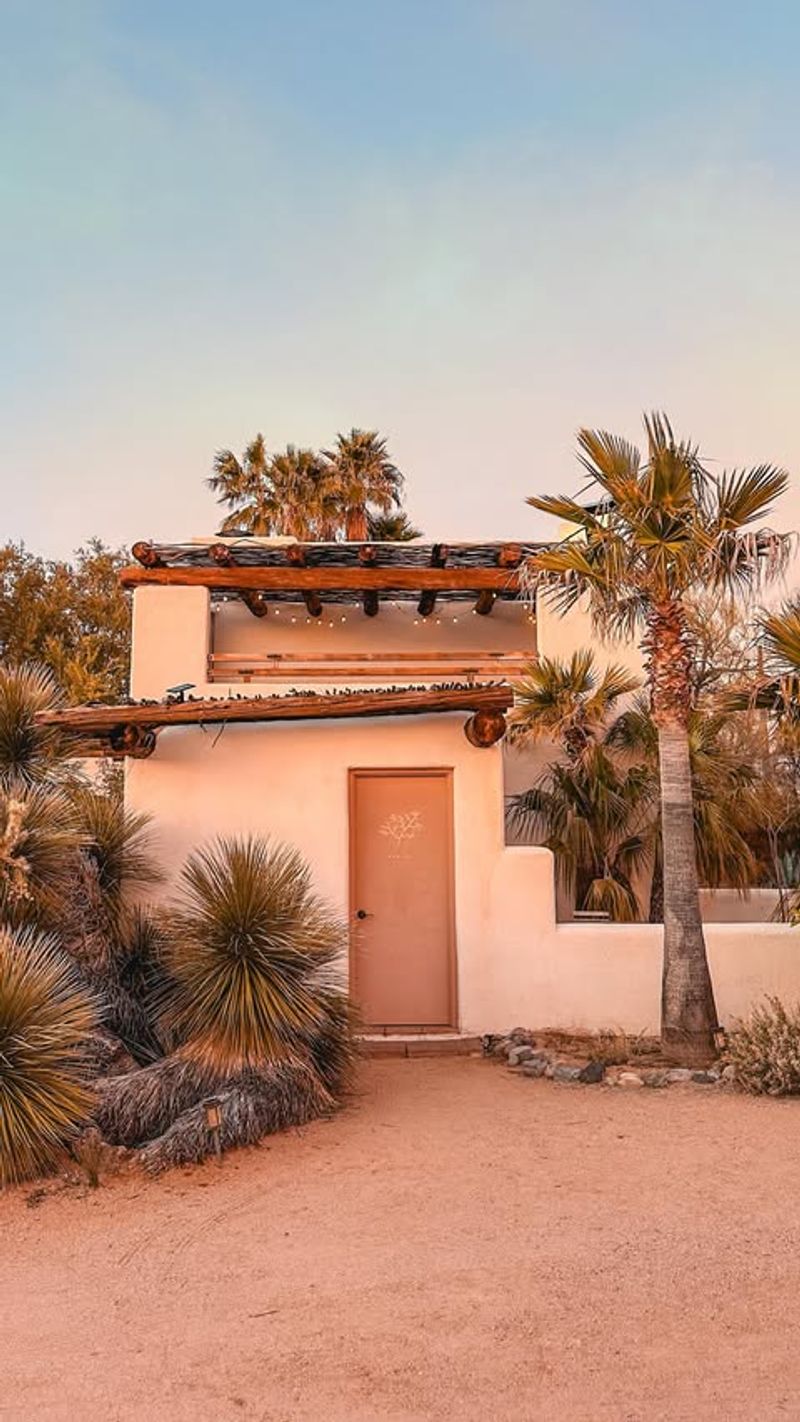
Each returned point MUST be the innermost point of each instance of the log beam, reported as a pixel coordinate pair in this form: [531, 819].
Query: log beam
[485, 728]
[326, 579]
[313, 604]
[485, 602]
[255, 602]
[222, 555]
[116, 720]
[146, 554]
[509, 556]
[427, 603]
[370, 603]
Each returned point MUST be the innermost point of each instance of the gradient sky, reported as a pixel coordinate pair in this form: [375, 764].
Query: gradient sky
[473, 224]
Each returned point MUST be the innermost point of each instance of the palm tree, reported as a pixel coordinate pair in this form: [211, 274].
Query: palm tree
[780, 691]
[391, 528]
[569, 702]
[595, 814]
[656, 532]
[245, 487]
[366, 479]
[304, 491]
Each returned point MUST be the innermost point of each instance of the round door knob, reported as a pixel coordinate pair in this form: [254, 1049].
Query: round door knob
[361, 913]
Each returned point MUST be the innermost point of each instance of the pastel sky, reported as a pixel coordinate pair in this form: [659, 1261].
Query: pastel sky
[472, 224]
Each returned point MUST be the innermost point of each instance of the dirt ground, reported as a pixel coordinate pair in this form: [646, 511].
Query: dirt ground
[459, 1243]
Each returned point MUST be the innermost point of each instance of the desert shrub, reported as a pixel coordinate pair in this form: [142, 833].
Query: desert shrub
[254, 955]
[39, 840]
[252, 1003]
[46, 1017]
[764, 1049]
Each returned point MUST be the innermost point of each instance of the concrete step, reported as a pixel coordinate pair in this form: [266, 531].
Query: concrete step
[419, 1044]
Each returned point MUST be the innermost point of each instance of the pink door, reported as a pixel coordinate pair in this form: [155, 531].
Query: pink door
[401, 879]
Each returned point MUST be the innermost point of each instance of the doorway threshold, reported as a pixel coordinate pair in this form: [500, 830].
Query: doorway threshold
[419, 1044]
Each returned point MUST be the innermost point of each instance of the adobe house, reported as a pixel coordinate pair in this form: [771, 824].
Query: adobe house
[350, 699]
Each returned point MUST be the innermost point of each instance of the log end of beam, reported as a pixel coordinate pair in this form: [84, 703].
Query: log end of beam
[255, 603]
[367, 554]
[370, 604]
[146, 554]
[509, 556]
[485, 728]
[221, 554]
[296, 555]
[484, 603]
[138, 742]
[313, 604]
[427, 603]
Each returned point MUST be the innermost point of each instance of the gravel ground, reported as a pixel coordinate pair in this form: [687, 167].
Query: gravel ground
[459, 1243]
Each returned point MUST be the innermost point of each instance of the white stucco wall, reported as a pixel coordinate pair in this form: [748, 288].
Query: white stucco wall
[515, 964]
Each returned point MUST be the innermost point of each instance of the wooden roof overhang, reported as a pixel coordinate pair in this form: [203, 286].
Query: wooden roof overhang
[259, 571]
[132, 729]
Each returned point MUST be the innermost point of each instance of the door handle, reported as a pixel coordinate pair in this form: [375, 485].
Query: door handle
[362, 913]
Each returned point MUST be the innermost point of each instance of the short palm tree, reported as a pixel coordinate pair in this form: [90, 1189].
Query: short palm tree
[46, 1018]
[366, 480]
[656, 531]
[568, 702]
[596, 815]
[780, 639]
[391, 528]
[244, 486]
[305, 495]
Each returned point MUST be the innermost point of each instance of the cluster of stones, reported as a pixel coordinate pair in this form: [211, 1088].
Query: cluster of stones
[524, 1057]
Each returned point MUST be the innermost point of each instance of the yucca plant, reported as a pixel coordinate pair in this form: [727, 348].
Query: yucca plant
[31, 754]
[117, 842]
[254, 1004]
[39, 842]
[253, 953]
[46, 1018]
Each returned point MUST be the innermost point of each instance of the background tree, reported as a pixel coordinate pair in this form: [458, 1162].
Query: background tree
[656, 531]
[366, 480]
[73, 618]
[392, 528]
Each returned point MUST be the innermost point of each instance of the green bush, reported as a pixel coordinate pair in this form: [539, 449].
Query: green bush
[764, 1050]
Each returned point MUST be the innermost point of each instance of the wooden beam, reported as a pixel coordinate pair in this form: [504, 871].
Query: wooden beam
[370, 603]
[313, 603]
[439, 555]
[326, 579]
[485, 602]
[296, 555]
[221, 554]
[255, 603]
[367, 554]
[146, 554]
[113, 720]
[485, 728]
[427, 603]
[509, 556]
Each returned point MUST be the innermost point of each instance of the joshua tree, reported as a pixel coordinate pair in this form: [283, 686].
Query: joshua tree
[656, 532]
[366, 479]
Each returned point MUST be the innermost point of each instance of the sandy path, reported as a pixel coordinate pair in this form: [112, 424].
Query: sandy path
[458, 1244]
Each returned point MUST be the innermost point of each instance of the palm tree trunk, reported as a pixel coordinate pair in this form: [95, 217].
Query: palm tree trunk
[656, 912]
[356, 525]
[688, 1011]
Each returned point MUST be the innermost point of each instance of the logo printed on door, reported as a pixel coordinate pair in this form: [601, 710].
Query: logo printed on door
[401, 829]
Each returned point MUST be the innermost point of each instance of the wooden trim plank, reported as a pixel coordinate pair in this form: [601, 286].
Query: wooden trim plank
[322, 579]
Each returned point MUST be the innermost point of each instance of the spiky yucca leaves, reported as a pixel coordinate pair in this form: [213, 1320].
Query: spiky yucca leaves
[118, 842]
[39, 842]
[46, 1018]
[31, 754]
[253, 953]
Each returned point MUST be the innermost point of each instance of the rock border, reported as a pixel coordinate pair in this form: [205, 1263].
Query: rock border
[523, 1057]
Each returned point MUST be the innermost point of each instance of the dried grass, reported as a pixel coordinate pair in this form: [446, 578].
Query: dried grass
[764, 1050]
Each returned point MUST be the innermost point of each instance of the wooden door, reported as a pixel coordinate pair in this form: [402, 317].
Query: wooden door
[402, 959]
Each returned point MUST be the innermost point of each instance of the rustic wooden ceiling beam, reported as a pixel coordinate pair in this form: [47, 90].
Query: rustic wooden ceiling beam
[146, 554]
[313, 603]
[112, 721]
[370, 603]
[509, 556]
[326, 579]
[221, 554]
[255, 602]
[485, 602]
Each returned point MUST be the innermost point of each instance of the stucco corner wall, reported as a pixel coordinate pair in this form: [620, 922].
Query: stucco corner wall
[170, 639]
